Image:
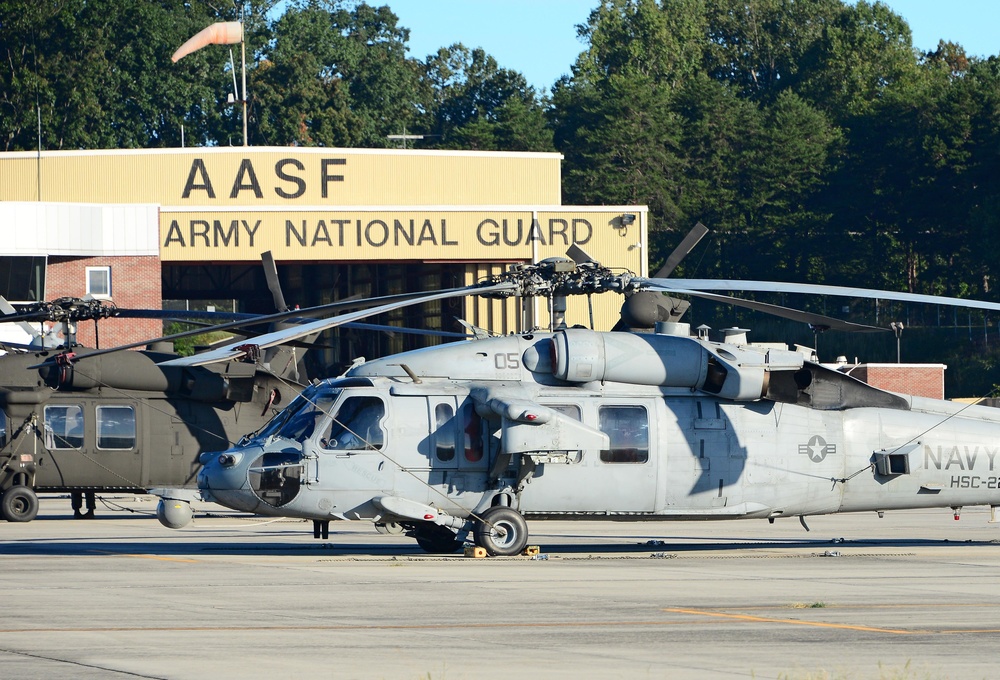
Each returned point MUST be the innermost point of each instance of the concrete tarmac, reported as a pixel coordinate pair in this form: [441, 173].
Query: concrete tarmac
[912, 595]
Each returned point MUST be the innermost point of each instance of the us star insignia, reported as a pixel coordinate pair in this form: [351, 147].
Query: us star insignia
[817, 449]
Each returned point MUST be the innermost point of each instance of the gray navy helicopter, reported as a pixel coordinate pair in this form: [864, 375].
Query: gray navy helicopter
[471, 439]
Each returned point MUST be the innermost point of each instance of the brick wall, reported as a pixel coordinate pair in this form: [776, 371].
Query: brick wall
[921, 380]
[135, 284]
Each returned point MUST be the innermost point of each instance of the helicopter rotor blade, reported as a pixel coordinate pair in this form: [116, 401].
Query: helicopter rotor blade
[680, 252]
[819, 322]
[578, 254]
[405, 330]
[8, 310]
[702, 285]
[187, 316]
[238, 349]
[273, 285]
[208, 326]
[403, 298]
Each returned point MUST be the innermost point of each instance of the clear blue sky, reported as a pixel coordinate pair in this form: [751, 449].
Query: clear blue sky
[538, 37]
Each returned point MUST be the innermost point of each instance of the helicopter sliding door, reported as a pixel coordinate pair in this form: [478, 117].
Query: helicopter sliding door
[620, 479]
[90, 446]
[454, 454]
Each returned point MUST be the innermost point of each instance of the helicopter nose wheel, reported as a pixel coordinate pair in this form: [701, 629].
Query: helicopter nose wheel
[501, 531]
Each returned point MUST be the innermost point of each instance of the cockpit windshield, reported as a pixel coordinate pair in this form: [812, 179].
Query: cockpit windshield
[272, 426]
[311, 407]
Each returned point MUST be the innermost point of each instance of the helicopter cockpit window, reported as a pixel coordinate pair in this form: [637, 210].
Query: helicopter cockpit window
[302, 424]
[64, 427]
[356, 425]
[274, 425]
[444, 432]
[3, 429]
[115, 427]
[628, 429]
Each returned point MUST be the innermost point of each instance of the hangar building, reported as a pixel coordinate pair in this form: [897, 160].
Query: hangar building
[188, 226]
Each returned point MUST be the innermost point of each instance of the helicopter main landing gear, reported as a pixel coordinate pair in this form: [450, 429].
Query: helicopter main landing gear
[501, 531]
[19, 504]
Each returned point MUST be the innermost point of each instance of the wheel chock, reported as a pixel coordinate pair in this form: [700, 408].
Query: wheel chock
[531, 551]
[474, 551]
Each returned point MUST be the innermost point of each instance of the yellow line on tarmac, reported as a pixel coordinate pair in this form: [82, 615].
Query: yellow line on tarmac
[148, 557]
[794, 622]
[894, 605]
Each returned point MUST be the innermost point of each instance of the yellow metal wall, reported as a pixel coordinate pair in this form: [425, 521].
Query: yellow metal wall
[343, 205]
[287, 177]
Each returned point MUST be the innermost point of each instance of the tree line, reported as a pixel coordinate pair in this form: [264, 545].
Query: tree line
[810, 135]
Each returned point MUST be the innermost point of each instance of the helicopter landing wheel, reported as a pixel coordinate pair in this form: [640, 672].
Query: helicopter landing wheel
[501, 531]
[19, 504]
[436, 540]
[389, 528]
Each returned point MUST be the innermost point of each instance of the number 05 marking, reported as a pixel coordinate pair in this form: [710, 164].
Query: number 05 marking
[506, 361]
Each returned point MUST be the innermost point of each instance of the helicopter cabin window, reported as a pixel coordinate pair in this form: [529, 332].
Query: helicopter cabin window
[444, 432]
[473, 427]
[115, 427]
[628, 429]
[63, 427]
[99, 282]
[356, 425]
[3, 429]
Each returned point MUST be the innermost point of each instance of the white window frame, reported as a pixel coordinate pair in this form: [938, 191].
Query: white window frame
[107, 277]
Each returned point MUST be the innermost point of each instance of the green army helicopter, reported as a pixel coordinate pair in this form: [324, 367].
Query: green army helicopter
[121, 422]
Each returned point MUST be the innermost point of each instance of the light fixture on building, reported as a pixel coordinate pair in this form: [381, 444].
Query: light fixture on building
[623, 223]
[897, 328]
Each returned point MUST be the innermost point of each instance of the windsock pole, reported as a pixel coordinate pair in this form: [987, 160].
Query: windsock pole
[221, 33]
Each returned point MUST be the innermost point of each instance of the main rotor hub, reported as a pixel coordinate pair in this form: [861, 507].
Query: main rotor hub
[70, 309]
[558, 276]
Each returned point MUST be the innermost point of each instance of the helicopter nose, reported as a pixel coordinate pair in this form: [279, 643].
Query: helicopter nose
[223, 478]
[222, 471]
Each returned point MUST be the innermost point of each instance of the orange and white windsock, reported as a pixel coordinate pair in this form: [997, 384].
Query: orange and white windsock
[222, 33]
